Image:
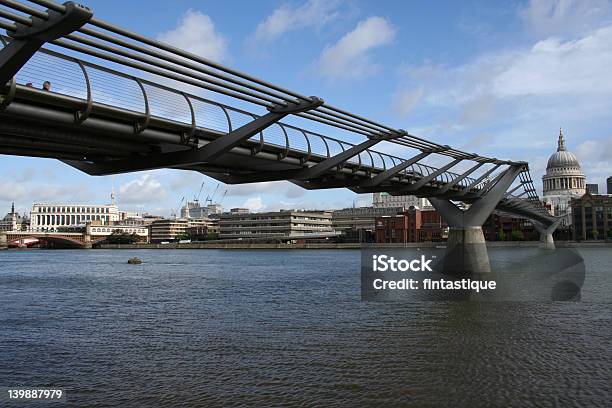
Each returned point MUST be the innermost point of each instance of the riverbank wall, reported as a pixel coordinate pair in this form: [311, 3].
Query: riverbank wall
[244, 245]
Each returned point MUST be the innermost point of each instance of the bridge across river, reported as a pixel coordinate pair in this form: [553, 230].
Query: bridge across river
[50, 239]
[121, 102]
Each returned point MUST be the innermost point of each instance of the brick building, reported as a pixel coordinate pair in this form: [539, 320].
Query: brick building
[504, 228]
[412, 225]
[592, 217]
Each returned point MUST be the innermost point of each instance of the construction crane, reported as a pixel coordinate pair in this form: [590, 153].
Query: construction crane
[173, 214]
[209, 199]
[223, 197]
[197, 198]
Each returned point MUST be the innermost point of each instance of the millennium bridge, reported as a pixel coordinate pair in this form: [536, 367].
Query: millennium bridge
[115, 101]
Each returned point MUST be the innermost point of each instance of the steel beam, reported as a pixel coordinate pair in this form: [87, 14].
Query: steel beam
[29, 38]
[387, 174]
[477, 181]
[424, 180]
[321, 168]
[458, 179]
[206, 153]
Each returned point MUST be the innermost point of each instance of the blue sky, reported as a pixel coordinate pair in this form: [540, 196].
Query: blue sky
[498, 78]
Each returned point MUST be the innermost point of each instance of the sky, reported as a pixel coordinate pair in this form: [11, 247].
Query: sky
[498, 78]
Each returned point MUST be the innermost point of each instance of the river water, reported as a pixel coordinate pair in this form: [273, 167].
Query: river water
[209, 328]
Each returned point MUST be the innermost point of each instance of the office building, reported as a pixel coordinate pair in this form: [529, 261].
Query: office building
[386, 200]
[592, 188]
[504, 228]
[358, 224]
[193, 209]
[63, 217]
[141, 231]
[284, 223]
[592, 217]
[412, 225]
[168, 230]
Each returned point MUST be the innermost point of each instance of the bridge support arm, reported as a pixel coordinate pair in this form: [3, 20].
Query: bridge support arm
[320, 168]
[28, 39]
[426, 179]
[206, 153]
[387, 174]
[466, 250]
[546, 237]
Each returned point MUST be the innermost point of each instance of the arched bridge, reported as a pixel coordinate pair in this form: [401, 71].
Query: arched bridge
[54, 239]
[119, 102]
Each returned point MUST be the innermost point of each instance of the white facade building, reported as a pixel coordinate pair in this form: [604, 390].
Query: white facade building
[563, 180]
[142, 231]
[193, 209]
[386, 200]
[55, 217]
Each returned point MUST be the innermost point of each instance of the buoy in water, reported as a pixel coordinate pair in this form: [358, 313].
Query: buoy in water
[135, 261]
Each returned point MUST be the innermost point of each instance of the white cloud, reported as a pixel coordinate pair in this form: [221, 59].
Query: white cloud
[554, 67]
[552, 81]
[143, 190]
[595, 157]
[254, 204]
[12, 191]
[406, 99]
[313, 13]
[564, 17]
[196, 33]
[350, 56]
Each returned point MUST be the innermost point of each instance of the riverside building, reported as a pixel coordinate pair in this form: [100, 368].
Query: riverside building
[62, 217]
[412, 225]
[13, 221]
[386, 200]
[592, 217]
[168, 230]
[140, 231]
[357, 224]
[277, 224]
[176, 229]
[193, 209]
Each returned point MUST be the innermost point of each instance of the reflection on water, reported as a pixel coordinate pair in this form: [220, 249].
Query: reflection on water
[209, 328]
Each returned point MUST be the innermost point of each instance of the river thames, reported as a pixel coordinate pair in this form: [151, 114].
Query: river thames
[209, 328]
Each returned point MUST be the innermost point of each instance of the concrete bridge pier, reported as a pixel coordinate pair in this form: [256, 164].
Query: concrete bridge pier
[3, 241]
[87, 237]
[546, 237]
[466, 250]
